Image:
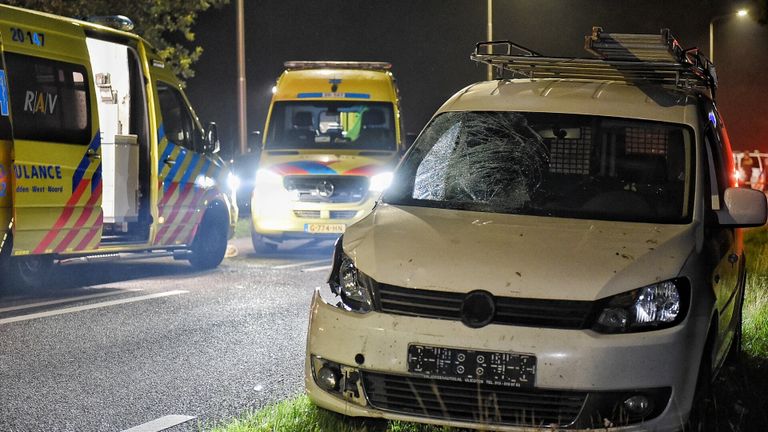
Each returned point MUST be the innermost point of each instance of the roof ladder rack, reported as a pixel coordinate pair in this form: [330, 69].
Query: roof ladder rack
[631, 58]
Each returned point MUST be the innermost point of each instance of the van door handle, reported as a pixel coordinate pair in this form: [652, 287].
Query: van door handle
[92, 154]
[169, 161]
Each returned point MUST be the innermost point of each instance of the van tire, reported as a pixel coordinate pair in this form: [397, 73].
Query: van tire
[210, 243]
[702, 417]
[261, 245]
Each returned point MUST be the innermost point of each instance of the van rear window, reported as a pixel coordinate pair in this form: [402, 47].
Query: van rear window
[49, 99]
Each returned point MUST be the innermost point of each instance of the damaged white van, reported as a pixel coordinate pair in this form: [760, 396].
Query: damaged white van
[561, 249]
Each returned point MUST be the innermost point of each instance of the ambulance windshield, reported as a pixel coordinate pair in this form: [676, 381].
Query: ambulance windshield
[338, 125]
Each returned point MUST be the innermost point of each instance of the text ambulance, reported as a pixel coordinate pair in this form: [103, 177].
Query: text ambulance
[100, 152]
[332, 138]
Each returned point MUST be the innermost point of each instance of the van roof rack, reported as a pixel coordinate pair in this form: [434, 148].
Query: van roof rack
[295, 65]
[631, 58]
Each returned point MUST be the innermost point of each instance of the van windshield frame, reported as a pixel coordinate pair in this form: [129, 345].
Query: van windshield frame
[332, 124]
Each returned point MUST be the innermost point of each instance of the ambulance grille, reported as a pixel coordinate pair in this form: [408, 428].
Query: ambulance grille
[328, 189]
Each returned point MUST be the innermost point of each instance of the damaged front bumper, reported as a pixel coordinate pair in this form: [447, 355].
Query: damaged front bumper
[357, 365]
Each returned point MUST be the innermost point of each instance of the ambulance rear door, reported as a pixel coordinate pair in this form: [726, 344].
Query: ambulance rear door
[56, 173]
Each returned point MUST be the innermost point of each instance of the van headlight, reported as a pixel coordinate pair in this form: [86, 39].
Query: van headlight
[651, 307]
[349, 288]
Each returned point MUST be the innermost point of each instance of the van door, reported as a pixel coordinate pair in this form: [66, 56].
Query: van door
[184, 173]
[6, 146]
[56, 173]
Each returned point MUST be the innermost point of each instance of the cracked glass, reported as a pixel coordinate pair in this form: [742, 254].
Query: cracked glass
[558, 165]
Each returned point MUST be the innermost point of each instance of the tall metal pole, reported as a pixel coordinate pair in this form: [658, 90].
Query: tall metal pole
[712, 40]
[242, 119]
[489, 36]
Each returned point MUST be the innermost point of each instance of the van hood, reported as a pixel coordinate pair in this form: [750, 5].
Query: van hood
[514, 255]
[294, 162]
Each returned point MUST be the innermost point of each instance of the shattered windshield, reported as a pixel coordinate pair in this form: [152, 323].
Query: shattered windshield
[342, 125]
[555, 165]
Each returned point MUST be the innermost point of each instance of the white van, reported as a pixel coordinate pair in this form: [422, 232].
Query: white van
[560, 249]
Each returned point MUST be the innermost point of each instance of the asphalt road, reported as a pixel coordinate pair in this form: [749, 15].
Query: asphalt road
[112, 346]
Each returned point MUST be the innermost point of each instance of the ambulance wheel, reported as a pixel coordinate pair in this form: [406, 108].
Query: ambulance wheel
[261, 245]
[28, 272]
[210, 243]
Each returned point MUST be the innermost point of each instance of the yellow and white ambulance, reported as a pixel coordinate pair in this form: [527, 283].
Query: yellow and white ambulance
[100, 152]
[332, 137]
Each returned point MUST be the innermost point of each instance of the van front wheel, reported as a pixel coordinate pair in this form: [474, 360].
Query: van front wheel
[210, 243]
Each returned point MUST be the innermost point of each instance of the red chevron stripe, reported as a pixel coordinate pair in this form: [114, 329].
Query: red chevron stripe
[64, 217]
[187, 216]
[88, 238]
[167, 194]
[84, 216]
[177, 209]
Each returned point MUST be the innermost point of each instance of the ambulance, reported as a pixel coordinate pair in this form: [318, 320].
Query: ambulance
[101, 155]
[332, 138]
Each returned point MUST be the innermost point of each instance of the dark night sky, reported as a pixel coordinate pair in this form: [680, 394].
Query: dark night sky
[429, 42]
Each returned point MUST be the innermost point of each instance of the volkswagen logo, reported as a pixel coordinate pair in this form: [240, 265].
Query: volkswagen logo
[478, 309]
[325, 189]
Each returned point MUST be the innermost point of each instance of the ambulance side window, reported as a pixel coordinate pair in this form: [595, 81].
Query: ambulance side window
[50, 99]
[177, 120]
[5, 119]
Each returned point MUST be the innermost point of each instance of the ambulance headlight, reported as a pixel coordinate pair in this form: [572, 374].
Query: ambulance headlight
[267, 178]
[380, 182]
[233, 182]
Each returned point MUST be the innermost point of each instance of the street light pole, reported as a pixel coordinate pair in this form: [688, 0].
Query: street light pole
[489, 35]
[740, 13]
[242, 119]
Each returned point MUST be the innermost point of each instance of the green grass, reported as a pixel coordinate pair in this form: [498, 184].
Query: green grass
[741, 391]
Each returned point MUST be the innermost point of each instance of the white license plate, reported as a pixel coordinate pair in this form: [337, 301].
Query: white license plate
[324, 228]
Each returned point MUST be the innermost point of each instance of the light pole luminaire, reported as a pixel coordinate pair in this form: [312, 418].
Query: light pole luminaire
[741, 13]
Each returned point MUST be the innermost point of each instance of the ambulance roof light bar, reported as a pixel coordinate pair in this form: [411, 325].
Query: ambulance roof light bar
[117, 22]
[631, 58]
[299, 65]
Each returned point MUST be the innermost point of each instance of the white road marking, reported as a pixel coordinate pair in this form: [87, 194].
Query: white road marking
[301, 264]
[65, 300]
[314, 269]
[161, 424]
[88, 307]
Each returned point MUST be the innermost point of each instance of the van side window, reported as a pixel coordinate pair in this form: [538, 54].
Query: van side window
[50, 100]
[177, 119]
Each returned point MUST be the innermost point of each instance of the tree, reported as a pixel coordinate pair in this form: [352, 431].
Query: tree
[166, 24]
[762, 11]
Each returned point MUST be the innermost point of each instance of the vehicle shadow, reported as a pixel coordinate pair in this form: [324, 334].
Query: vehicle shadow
[294, 250]
[76, 279]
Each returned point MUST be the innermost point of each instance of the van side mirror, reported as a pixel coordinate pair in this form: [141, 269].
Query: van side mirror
[743, 208]
[212, 144]
[254, 141]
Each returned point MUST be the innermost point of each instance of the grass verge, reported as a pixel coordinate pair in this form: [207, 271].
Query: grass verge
[741, 391]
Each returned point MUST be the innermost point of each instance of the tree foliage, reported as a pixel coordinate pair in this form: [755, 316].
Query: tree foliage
[762, 11]
[166, 24]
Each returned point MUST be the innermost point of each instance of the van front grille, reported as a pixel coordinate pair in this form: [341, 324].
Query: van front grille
[469, 402]
[562, 314]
